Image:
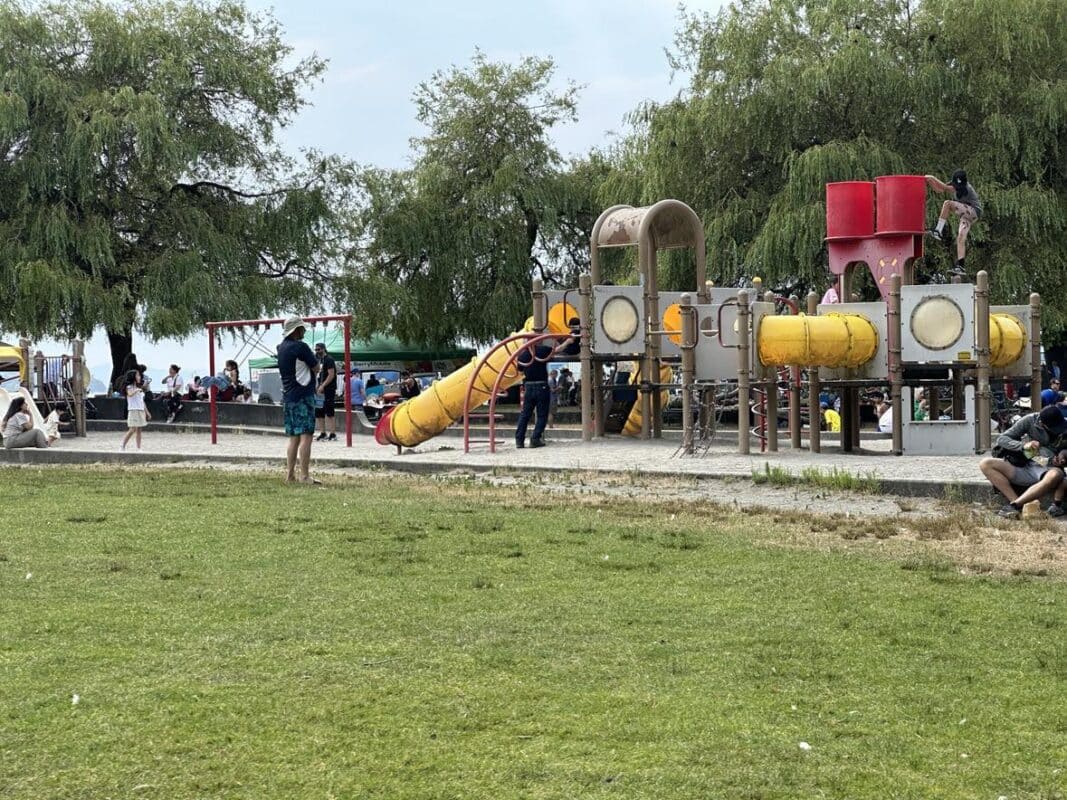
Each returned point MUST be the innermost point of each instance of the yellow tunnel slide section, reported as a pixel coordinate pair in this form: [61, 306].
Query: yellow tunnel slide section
[845, 341]
[423, 417]
[831, 340]
[1007, 339]
[633, 421]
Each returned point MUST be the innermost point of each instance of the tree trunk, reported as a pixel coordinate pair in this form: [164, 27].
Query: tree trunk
[121, 344]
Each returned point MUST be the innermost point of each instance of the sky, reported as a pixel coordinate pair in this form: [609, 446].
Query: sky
[379, 52]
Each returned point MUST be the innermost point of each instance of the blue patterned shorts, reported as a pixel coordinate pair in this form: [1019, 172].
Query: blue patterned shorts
[300, 417]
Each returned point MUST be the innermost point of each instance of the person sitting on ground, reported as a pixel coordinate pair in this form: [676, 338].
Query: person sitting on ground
[966, 205]
[194, 390]
[1052, 395]
[18, 430]
[1013, 462]
[883, 409]
[830, 418]
[172, 392]
[409, 385]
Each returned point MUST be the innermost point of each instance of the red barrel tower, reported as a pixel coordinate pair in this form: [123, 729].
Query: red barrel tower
[888, 241]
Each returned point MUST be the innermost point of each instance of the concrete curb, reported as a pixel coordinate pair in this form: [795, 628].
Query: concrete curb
[970, 491]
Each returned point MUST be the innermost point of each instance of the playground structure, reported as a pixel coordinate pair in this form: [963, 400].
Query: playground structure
[260, 327]
[916, 336]
[54, 383]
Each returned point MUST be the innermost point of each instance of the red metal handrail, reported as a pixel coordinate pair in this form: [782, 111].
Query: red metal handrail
[532, 343]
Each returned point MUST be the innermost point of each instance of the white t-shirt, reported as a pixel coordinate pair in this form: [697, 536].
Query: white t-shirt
[303, 373]
[134, 400]
[173, 384]
[15, 423]
[885, 422]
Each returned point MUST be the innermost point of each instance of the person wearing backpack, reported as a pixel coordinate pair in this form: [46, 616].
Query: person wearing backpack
[1030, 454]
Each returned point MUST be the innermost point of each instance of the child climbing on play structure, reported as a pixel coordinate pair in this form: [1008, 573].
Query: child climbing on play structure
[967, 206]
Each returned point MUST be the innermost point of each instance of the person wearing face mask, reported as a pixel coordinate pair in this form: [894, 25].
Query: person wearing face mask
[966, 206]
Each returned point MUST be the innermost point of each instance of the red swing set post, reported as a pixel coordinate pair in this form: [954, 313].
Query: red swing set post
[214, 327]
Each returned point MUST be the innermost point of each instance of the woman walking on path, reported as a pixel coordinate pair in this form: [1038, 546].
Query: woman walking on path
[137, 415]
[18, 427]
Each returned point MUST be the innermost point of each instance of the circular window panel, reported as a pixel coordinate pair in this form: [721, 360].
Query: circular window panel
[937, 323]
[619, 319]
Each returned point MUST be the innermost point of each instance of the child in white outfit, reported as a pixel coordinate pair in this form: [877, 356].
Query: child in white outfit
[137, 415]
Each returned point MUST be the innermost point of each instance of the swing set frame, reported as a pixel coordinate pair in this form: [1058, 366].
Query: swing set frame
[215, 328]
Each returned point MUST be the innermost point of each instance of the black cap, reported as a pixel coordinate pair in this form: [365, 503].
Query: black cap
[1053, 420]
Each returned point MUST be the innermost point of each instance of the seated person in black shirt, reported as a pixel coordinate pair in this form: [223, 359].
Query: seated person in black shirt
[409, 385]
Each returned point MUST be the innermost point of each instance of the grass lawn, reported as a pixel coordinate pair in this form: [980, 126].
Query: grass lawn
[231, 637]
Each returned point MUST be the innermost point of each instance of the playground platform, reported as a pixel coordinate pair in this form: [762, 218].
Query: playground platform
[919, 476]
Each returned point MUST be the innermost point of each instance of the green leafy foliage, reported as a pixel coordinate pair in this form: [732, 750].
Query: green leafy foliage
[786, 96]
[143, 186]
[448, 247]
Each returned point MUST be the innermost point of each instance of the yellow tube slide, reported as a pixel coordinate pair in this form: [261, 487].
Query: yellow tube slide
[831, 340]
[633, 422]
[423, 417]
[1007, 338]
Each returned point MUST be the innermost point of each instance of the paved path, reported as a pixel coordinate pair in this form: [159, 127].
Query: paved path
[912, 475]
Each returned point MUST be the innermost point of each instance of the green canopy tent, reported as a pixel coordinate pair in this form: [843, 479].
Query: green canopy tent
[377, 349]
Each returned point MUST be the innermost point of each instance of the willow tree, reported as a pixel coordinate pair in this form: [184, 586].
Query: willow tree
[448, 247]
[783, 97]
[143, 188]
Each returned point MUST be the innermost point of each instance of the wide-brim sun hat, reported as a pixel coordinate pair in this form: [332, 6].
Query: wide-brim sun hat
[292, 324]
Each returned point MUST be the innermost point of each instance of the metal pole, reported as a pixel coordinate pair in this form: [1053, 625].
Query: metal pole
[689, 343]
[585, 291]
[982, 399]
[814, 413]
[743, 373]
[77, 385]
[348, 380]
[896, 369]
[770, 420]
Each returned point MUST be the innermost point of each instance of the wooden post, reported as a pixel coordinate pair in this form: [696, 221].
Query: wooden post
[77, 386]
[1035, 350]
[771, 386]
[689, 343]
[814, 414]
[743, 373]
[540, 313]
[794, 396]
[585, 291]
[24, 379]
[38, 374]
[896, 369]
[982, 397]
